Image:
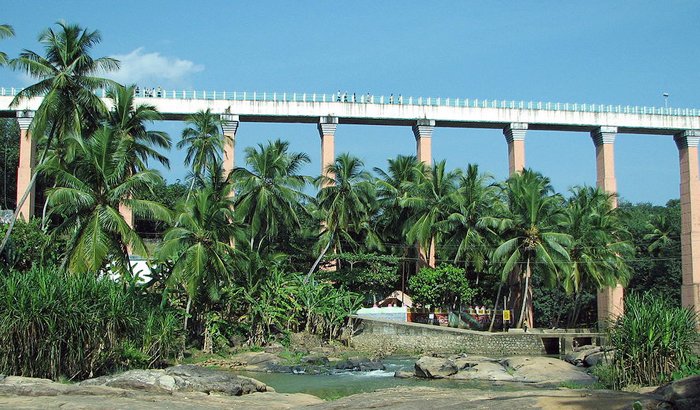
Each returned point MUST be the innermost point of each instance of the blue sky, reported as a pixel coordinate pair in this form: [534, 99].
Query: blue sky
[622, 52]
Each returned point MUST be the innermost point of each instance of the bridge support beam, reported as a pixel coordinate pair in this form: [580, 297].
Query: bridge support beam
[687, 143]
[610, 300]
[515, 137]
[27, 164]
[326, 129]
[229, 126]
[423, 131]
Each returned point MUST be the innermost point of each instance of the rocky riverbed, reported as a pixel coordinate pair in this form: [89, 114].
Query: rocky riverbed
[198, 387]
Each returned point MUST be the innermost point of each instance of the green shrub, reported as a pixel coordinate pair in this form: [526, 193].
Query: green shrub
[29, 247]
[444, 286]
[78, 326]
[651, 341]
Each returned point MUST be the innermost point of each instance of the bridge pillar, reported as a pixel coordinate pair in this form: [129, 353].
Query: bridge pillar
[326, 129]
[423, 131]
[687, 143]
[515, 137]
[229, 126]
[610, 300]
[27, 164]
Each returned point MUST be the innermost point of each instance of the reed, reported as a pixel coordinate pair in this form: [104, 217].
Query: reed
[77, 326]
[651, 341]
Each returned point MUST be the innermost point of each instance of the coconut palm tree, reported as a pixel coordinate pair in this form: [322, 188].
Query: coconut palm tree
[392, 185]
[67, 80]
[472, 223]
[199, 243]
[533, 240]
[87, 198]
[5, 31]
[129, 122]
[598, 246]
[269, 190]
[204, 142]
[347, 205]
[431, 199]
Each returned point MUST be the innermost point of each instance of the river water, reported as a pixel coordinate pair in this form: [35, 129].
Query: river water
[340, 384]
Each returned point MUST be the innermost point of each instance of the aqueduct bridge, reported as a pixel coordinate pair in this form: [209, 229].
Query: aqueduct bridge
[424, 115]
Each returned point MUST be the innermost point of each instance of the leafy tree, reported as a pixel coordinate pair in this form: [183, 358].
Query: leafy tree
[533, 240]
[67, 82]
[367, 273]
[30, 247]
[655, 232]
[87, 197]
[444, 286]
[269, 190]
[5, 31]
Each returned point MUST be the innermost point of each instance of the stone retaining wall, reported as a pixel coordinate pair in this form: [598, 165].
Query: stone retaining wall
[387, 336]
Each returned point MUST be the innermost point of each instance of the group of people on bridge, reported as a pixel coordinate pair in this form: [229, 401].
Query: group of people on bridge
[369, 98]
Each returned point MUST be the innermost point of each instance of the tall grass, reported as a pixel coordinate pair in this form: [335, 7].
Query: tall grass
[652, 340]
[78, 326]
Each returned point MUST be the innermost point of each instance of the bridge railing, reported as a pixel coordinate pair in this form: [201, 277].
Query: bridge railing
[347, 98]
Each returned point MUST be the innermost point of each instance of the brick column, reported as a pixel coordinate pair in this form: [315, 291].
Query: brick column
[229, 126]
[515, 137]
[27, 164]
[687, 143]
[423, 131]
[326, 129]
[610, 300]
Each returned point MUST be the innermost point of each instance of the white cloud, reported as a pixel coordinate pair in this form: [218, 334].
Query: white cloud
[151, 69]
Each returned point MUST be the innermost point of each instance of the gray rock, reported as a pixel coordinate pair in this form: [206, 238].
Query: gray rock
[184, 378]
[485, 370]
[360, 364]
[401, 374]
[597, 358]
[683, 394]
[434, 367]
[545, 370]
[315, 359]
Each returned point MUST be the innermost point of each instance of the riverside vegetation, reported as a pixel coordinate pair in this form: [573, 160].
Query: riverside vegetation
[72, 305]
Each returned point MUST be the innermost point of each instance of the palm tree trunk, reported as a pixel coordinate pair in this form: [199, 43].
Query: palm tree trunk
[495, 306]
[318, 260]
[525, 293]
[32, 182]
[187, 316]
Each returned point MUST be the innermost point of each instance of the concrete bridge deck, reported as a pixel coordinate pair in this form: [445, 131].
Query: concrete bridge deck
[465, 113]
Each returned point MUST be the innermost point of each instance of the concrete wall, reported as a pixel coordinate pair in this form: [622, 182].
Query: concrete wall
[389, 337]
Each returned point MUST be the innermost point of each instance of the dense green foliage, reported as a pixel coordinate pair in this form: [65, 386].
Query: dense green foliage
[30, 247]
[9, 160]
[55, 324]
[444, 286]
[651, 341]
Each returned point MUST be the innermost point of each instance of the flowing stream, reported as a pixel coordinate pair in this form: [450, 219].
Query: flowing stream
[344, 383]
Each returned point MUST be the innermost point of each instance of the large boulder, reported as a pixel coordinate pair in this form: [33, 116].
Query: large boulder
[183, 378]
[484, 370]
[545, 370]
[683, 394]
[435, 367]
